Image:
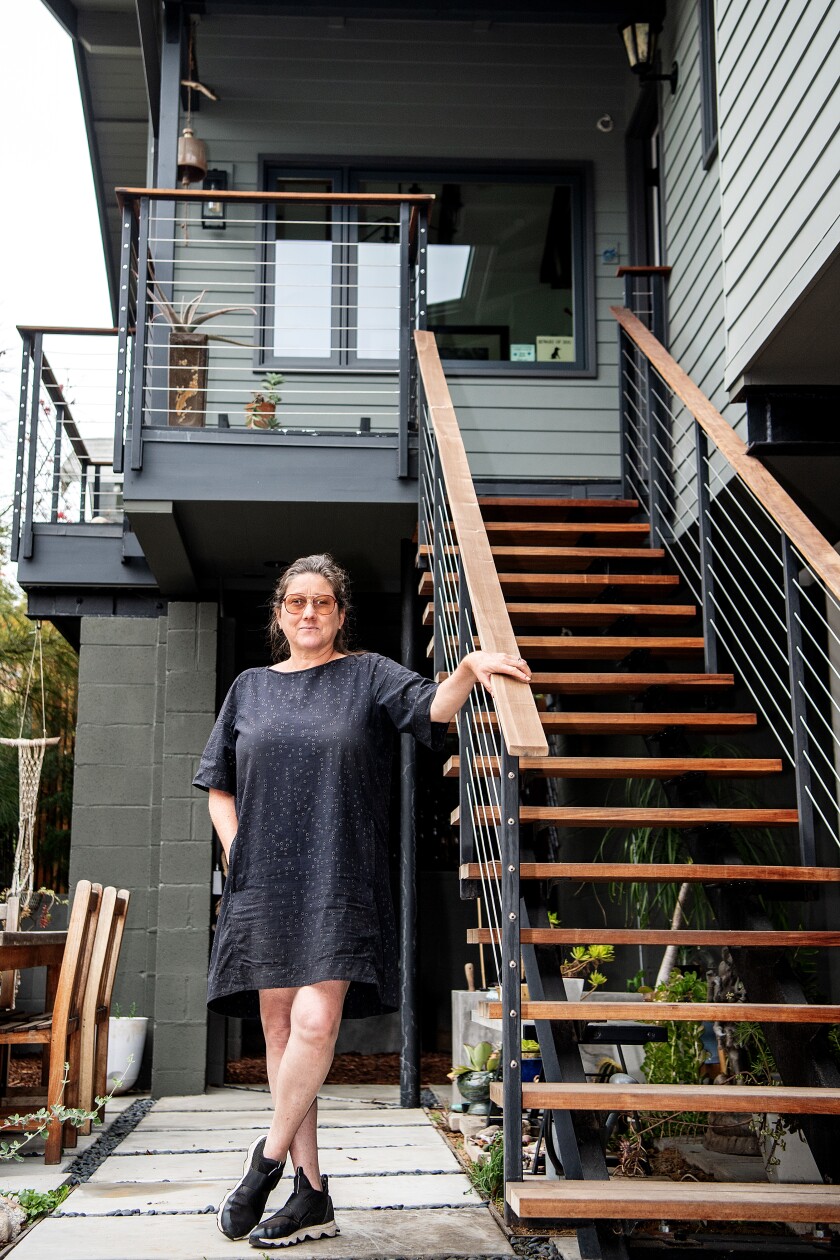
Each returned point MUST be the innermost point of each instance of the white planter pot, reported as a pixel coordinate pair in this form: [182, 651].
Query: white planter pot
[126, 1039]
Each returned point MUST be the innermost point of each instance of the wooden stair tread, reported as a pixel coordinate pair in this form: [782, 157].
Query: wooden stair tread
[658, 872]
[660, 936]
[632, 723]
[578, 1096]
[564, 583]
[565, 559]
[635, 1199]
[618, 683]
[566, 614]
[626, 767]
[546, 530]
[636, 816]
[601, 647]
[530, 501]
[676, 1012]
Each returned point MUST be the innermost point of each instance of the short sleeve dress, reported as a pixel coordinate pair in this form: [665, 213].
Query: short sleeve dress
[308, 757]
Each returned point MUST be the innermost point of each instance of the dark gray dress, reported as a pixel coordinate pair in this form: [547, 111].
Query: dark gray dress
[308, 757]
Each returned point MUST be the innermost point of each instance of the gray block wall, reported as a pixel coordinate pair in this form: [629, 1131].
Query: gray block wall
[147, 692]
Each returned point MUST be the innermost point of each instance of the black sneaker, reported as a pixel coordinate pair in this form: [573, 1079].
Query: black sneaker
[307, 1213]
[242, 1207]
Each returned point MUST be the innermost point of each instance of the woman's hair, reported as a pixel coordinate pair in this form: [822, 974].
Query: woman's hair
[324, 566]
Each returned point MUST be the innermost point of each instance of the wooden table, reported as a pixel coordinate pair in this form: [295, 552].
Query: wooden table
[19, 950]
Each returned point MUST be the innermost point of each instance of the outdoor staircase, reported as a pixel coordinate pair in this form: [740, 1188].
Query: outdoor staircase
[569, 567]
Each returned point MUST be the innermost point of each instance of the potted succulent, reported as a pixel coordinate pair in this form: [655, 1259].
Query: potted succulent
[188, 356]
[531, 1056]
[261, 411]
[126, 1039]
[473, 1078]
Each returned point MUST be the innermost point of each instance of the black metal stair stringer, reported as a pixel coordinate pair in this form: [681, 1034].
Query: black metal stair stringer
[577, 1135]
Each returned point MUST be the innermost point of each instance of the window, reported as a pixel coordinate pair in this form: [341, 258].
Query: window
[708, 81]
[509, 287]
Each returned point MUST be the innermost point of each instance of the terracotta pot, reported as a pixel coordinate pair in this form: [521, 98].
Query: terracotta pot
[187, 380]
[260, 415]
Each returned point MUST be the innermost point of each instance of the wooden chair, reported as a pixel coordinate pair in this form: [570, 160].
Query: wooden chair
[9, 922]
[96, 1005]
[59, 1030]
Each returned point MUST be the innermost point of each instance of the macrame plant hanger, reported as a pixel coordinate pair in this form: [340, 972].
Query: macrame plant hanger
[30, 762]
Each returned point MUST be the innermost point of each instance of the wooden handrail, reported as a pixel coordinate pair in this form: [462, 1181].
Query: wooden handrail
[518, 717]
[643, 270]
[792, 521]
[65, 329]
[237, 197]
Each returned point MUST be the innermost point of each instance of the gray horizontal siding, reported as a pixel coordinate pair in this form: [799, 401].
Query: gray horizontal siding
[425, 90]
[693, 222]
[779, 90]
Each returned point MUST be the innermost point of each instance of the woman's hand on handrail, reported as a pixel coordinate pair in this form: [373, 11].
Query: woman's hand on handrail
[475, 667]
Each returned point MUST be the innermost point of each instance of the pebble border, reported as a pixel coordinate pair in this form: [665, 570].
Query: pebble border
[85, 1165]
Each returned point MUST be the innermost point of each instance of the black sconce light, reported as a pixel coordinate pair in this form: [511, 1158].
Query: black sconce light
[213, 211]
[640, 44]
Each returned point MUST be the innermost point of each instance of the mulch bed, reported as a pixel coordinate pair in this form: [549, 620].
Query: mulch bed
[348, 1069]
[26, 1072]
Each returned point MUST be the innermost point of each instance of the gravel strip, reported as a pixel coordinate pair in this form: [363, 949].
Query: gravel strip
[86, 1164]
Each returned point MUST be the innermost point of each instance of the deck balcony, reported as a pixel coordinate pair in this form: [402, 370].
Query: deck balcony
[165, 454]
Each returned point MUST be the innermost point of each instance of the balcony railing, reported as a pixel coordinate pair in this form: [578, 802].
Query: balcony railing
[323, 289]
[64, 473]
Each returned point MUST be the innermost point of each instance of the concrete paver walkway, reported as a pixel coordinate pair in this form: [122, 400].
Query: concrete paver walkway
[397, 1188]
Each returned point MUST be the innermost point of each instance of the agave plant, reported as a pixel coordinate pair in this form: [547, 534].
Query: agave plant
[186, 319]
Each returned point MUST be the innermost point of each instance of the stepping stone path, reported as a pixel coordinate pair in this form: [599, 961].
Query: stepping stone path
[398, 1189]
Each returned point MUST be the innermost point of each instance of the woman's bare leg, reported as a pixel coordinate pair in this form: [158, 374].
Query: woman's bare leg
[275, 1012]
[300, 1043]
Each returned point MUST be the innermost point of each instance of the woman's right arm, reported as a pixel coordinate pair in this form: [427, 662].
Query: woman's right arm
[223, 815]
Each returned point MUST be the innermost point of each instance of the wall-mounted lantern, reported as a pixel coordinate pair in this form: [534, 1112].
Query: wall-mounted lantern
[212, 210]
[639, 40]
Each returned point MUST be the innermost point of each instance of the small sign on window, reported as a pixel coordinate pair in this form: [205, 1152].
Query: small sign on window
[522, 353]
[555, 349]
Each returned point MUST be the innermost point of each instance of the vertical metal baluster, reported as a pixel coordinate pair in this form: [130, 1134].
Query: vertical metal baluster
[425, 472]
[657, 305]
[798, 707]
[511, 993]
[650, 436]
[124, 306]
[405, 339]
[707, 573]
[97, 486]
[467, 770]
[56, 474]
[83, 488]
[439, 560]
[34, 405]
[623, 347]
[141, 339]
[23, 408]
[422, 265]
[409, 1024]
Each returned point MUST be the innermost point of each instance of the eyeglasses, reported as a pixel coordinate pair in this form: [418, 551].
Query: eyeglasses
[323, 604]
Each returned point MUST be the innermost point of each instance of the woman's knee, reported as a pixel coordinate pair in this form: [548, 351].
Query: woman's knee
[275, 1015]
[316, 1015]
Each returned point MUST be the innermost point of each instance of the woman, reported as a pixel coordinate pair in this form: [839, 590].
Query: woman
[298, 771]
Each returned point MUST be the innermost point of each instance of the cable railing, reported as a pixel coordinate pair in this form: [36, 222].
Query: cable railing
[493, 731]
[767, 581]
[64, 473]
[291, 314]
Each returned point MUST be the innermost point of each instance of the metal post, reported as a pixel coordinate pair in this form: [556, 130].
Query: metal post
[409, 1026]
[466, 835]
[34, 404]
[511, 991]
[799, 706]
[707, 573]
[652, 474]
[21, 445]
[140, 339]
[439, 562]
[657, 304]
[56, 475]
[405, 339]
[425, 494]
[123, 309]
[623, 348]
[422, 265]
[83, 488]
[97, 484]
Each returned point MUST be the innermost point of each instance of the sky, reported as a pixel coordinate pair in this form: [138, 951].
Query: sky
[51, 265]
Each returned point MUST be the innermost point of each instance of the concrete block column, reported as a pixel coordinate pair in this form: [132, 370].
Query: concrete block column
[188, 691]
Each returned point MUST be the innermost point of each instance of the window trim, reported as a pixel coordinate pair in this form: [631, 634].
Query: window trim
[708, 81]
[580, 179]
